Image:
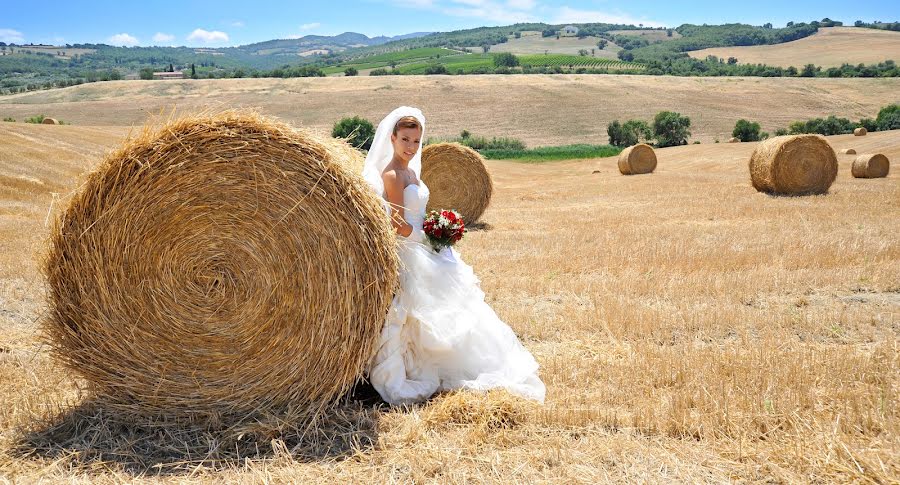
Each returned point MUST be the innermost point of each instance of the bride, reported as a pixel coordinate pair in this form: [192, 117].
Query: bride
[439, 333]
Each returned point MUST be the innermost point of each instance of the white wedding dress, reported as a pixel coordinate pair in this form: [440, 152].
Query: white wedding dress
[440, 334]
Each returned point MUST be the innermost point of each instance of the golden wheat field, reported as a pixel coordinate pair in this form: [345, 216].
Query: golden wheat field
[689, 329]
[829, 47]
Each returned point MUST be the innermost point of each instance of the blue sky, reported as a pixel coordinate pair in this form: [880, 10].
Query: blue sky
[226, 22]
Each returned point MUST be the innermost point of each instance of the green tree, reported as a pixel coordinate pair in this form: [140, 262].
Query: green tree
[193, 71]
[888, 118]
[485, 48]
[358, 132]
[809, 70]
[506, 59]
[671, 129]
[146, 73]
[351, 71]
[746, 130]
[631, 133]
[601, 44]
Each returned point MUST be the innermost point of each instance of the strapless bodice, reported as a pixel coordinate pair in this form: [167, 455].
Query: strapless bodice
[415, 198]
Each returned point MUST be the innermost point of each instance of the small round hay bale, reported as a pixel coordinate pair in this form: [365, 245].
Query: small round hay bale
[734, 140]
[871, 166]
[848, 151]
[457, 179]
[50, 121]
[860, 131]
[224, 266]
[793, 165]
[637, 159]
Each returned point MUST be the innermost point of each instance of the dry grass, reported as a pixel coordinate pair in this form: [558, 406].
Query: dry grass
[829, 47]
[693, 331]
[538, 109]
[532, 42]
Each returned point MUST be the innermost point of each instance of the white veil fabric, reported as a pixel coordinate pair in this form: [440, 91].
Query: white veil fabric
[383, 150]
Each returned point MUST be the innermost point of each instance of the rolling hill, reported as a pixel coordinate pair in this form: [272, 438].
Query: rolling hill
[829, 47]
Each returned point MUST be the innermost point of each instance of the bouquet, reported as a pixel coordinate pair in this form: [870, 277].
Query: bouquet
[443, 228]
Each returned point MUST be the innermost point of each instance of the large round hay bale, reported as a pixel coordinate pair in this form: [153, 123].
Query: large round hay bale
[457, 179]
[848, 151]
[50, 121]
[860, 132]
[870, 166]
[734, 140]
[351, 157]
[223, 265]
[637, 159]
[793, 165]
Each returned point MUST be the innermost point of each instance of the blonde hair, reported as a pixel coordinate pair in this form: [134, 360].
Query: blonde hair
[407, 122]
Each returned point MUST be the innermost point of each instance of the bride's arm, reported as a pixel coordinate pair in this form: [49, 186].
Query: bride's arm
[393, 192]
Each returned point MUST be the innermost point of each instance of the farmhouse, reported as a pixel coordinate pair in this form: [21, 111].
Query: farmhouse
[168, 75]
[569, 30]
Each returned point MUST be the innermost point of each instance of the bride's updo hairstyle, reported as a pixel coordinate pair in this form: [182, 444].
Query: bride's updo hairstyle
[407, 122]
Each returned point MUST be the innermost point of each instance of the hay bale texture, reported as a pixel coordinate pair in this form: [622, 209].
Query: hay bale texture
[793, 165]
[224, 264]
[637, 159]
[870, 166]
[49, 121]
[457, 178]
[848, 151]
[860, 131]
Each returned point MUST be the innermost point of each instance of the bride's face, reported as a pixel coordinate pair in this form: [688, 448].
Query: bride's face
[406, 143]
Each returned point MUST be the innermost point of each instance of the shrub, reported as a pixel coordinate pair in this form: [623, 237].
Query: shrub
[351, 71]
[147, 73]
[35, 119]
[781, 132]
[631, 133]
[671, 129]
[888, 118]
[379, 72]
[506, 59]
[358, 132]
[436, 69]
[9, 119]
[869, 124]
[746, 130]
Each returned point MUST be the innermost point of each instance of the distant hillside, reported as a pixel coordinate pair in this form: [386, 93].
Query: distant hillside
[830, 47]
[321, 42]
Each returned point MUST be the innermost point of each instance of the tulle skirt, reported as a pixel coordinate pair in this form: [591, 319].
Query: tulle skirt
[441, 335]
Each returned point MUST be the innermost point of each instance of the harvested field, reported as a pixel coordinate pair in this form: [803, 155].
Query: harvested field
[539, 109]
[694, 331]
[829, 47]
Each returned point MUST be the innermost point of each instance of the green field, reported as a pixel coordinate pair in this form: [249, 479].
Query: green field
[552, 153]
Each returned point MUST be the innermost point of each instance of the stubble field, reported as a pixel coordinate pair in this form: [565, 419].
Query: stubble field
[689, 329]
[539, 109]
[829, 47]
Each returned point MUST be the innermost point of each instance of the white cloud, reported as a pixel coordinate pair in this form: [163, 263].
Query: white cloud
[161, 37]
[521, 4]
[11, 36]
[310, 26]
[568, 15]
[208, 37]
[123, 39]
